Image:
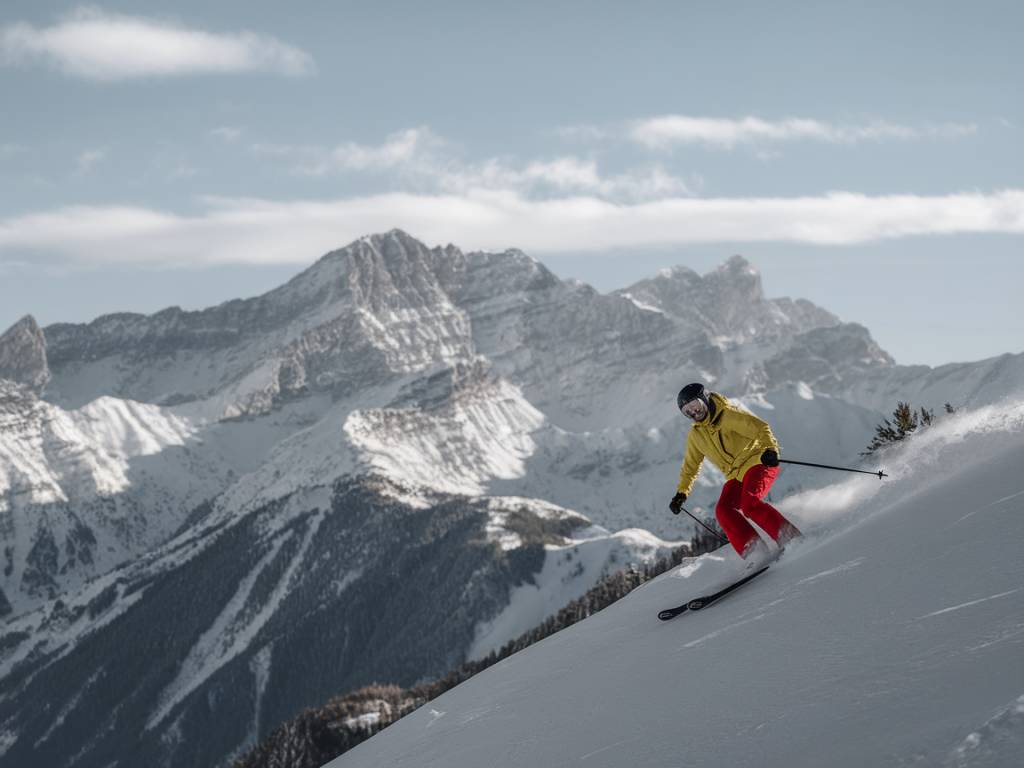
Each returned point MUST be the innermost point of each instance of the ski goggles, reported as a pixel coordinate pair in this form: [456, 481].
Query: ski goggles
[694, 409]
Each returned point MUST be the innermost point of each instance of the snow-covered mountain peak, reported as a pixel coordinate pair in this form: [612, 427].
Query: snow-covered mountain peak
[739, 263]
[396, 268]
[377, 266]
[727, 303]
[377, 308]
[503, 277]
[396, 235]
[23, 355]
[828, 358]
[738, 274]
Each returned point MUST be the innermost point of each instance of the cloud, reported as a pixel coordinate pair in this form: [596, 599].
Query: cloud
[420, 156]
[399, 149]
[90, 159]
[402, 149]
[182, 171]
[264, 231]
[583, 133]
[97, 45]
[226, 133]
[671, 130]
[561, 175]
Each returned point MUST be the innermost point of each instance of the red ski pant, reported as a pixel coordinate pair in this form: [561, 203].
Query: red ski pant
[744, 500]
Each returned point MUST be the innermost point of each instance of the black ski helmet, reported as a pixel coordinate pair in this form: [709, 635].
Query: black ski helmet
[691, 392]
[695, 391]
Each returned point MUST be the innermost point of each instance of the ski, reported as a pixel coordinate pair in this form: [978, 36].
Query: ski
[698, 603]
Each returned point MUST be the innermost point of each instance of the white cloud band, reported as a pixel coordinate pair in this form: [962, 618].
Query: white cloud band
[420, 156]
[401, 149]
[261, 231]
[92, 44]
[669, 130]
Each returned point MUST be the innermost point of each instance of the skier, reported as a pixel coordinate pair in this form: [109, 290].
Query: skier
[744, 448]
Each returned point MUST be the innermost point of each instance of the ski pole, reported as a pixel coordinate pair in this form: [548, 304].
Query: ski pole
[880, 473]
[710, 530]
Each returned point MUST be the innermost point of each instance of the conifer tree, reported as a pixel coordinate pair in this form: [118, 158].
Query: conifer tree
[905, 421]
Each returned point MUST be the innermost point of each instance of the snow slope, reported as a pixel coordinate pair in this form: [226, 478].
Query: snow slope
[567, 574]
[893, 635]
[84, 490]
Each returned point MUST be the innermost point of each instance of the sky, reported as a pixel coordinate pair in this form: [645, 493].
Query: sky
[864, 156]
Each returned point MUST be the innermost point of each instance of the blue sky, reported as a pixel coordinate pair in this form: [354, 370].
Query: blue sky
[865, 156]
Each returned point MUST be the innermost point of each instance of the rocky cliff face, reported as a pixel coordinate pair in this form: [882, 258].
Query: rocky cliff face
[23, 355]
[371, 311]
[727, 303]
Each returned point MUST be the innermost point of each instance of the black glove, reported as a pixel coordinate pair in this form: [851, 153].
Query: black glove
[770, 458]
[677, 503]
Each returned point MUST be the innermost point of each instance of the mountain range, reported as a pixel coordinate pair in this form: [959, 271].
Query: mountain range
[401, 458]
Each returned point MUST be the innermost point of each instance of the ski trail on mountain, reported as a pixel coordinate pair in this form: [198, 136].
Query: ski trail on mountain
[722, 631]
[969, 604]
[995, 503]
[848, 565]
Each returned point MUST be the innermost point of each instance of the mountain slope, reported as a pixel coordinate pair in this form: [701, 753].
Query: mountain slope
[359, 586]
[892, 637]
[85, 490]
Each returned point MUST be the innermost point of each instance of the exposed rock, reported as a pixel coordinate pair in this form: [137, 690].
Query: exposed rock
[23, 355]
[728, 302]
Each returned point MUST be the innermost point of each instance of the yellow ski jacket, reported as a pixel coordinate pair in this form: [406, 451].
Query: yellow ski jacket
[733, 440]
